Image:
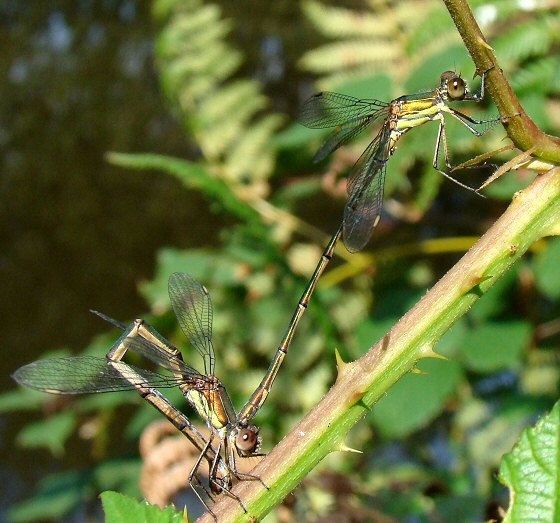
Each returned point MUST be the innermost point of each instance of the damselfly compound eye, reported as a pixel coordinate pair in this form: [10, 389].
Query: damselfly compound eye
[247, 440]
[456, 88]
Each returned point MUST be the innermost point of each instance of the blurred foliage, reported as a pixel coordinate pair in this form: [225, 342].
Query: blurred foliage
[433, 444]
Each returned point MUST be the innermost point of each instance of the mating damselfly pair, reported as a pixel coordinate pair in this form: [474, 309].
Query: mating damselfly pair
[236, 437]
[233, 436]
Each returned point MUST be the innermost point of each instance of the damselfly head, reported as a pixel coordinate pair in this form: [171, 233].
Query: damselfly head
[453, 85]
[248, 440]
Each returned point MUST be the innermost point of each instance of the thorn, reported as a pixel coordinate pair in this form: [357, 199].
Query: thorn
[481, 279]
[339, 361]
[484, 43]
[341, 365]
[436, 355]
[416, 370]
[344, 448]
[477, 280]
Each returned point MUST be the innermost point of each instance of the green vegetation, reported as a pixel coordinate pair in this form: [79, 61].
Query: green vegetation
[432, 443]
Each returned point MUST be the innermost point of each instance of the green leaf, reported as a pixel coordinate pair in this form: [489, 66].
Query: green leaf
[192, 175]
[427, 73]
[531, 472]
[122, 509]
[371, 331]
[547, 275]
[56, 495]
[450, 343]
[378, 86]
[50, 433]
[204, 265]
[494, 346]
[416, 399]
[294, 136]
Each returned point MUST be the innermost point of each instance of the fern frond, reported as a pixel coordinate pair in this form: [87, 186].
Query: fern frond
[523, 40]
[365, 41]
[540, 76]
[351, 54]
[336, 22]
[430, 29]
[220, 127]
[196, 63]
[245, 156]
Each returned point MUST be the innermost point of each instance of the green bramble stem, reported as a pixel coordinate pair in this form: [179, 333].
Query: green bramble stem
[533, 214]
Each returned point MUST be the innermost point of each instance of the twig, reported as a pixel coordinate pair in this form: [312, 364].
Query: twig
[520, 128]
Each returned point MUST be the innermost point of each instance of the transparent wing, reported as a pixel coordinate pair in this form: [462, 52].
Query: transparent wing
[365, 192]
[350, 115]
[192, 305]
[88, 374]
[343, 134]
[162, 356]
[328, 109]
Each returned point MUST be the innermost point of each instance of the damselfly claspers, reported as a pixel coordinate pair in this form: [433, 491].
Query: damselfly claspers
[237, 437]
[351, 115]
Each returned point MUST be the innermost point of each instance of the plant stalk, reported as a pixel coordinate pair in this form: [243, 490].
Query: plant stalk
[533, 214]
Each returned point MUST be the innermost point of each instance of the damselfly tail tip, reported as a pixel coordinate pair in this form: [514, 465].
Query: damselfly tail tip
[108, 319]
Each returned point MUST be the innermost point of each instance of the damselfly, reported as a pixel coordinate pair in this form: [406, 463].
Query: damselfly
[351, 115]
[237, 436]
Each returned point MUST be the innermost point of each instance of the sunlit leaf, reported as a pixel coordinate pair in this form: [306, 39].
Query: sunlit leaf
[531, 472]
[119, 473]
[122, 509]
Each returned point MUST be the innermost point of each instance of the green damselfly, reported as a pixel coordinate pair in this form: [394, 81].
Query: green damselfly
[351, 115]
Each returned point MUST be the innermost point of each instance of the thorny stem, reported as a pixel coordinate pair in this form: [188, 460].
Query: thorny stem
[533, 214]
